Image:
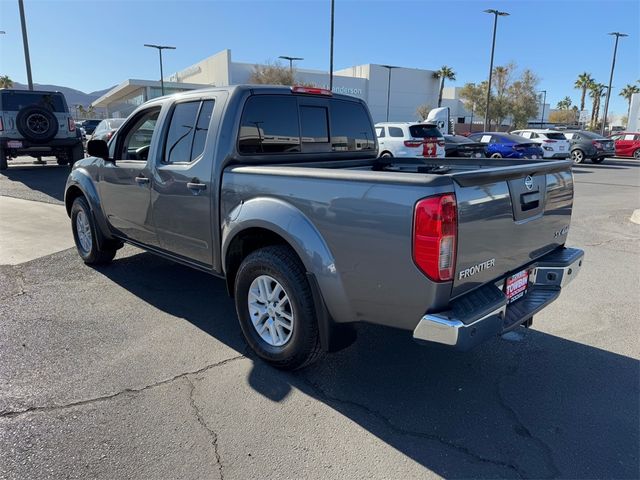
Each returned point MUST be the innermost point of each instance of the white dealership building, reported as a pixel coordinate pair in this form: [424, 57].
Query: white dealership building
[409, 87]
[402, 89]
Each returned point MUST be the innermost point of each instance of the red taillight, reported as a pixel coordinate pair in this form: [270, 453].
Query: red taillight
[109, 135]
[597, 145]
[412, 143]
[311, 90]
[72, 124]
[550, 141]
[435, 231]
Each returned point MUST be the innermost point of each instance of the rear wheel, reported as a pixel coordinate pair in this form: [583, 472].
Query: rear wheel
[636, 154]
[496, 155]
[386, 155]
[275, 308]
[577, 156]
[86, 235]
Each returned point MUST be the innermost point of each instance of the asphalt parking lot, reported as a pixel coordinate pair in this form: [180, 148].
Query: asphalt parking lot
[138, 370]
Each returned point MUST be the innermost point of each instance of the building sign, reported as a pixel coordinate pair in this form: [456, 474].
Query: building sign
[355, 92]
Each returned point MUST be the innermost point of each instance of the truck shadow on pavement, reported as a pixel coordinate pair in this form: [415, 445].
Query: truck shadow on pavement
[49, 180]
[533, 406]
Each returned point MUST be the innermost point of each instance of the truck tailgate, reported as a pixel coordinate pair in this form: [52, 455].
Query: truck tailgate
[508, 217]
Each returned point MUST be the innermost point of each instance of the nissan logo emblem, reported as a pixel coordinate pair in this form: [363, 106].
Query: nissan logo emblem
[528, 182]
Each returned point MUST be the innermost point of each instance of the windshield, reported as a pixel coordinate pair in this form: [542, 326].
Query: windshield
[115, 123]
[458, 139]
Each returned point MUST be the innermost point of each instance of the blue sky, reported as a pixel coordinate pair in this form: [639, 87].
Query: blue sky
[90, 45]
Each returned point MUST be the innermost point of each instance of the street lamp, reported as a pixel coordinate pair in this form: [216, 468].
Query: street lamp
[388, 67]
[160, 48]
[291, 59]
[613, 64]
[496, 14]
[544, 101]
[25, 43]
[331, 48]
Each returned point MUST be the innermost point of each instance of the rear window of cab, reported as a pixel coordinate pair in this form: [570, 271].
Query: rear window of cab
[279, 124]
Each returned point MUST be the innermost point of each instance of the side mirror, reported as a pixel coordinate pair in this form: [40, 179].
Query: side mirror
[98, 148]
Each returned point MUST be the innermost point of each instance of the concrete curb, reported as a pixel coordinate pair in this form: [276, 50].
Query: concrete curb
[635, 216]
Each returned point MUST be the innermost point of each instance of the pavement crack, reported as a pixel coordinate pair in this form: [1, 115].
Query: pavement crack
[213, 435]
[523, 430]
[126, 391]
[413, 433]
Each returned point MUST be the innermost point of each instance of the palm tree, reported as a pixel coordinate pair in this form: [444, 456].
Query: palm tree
[596, 92]
[564, 104]
[445, 73]
[5, 81]
[626, 92]
[583, 82]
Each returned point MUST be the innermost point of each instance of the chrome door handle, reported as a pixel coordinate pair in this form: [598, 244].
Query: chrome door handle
[196, 186]
[141, 180]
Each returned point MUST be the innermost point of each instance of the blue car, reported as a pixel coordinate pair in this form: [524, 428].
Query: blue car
[504, 145]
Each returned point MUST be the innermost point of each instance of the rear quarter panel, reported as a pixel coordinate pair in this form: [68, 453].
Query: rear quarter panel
[367, 229]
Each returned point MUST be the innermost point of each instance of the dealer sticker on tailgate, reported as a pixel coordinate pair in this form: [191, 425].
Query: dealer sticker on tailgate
[516, 285]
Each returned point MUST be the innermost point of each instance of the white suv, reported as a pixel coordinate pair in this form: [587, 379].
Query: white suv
[553, 143]
[409, 139]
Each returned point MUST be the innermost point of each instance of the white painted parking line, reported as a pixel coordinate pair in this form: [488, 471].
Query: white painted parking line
[30, 230]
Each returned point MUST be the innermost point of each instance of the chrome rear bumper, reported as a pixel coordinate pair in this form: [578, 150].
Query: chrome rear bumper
[484, 312]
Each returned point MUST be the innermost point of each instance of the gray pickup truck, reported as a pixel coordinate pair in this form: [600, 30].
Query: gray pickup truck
[281, 192]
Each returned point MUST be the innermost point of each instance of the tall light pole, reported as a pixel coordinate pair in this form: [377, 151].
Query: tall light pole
[544, 101]
[160, 48]
[495, 14]
[25, 43]
[331, 48]
[291, 59]
[388, 67]
[613, 65]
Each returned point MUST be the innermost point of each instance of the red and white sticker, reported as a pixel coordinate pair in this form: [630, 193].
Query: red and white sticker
[516, 285]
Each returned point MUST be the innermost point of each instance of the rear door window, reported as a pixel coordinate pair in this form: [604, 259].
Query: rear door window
[351, 128]
[180, 135]
[269, 124]
[380, 132]
[424, 131]
[395, 132]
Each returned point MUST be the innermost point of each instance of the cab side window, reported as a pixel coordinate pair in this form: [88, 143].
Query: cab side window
[135, 139]
[187, 131]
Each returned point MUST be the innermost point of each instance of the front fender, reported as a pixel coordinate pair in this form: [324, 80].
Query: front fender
[299, 232]
[81, 179]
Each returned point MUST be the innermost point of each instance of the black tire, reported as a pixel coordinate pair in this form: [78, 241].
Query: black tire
[496, 155]
[597, 160]
[577, 156]
[37, 124]
[281, 264]
[636, 154]
[386, 155]
[76, 153]
[3, 159]
[60, 160]
[93, 255]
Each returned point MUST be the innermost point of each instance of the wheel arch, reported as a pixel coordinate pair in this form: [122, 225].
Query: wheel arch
[267, 221]
[80, 184]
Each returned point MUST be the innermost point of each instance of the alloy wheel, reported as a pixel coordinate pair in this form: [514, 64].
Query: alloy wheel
[271, 311]
[83, 229]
